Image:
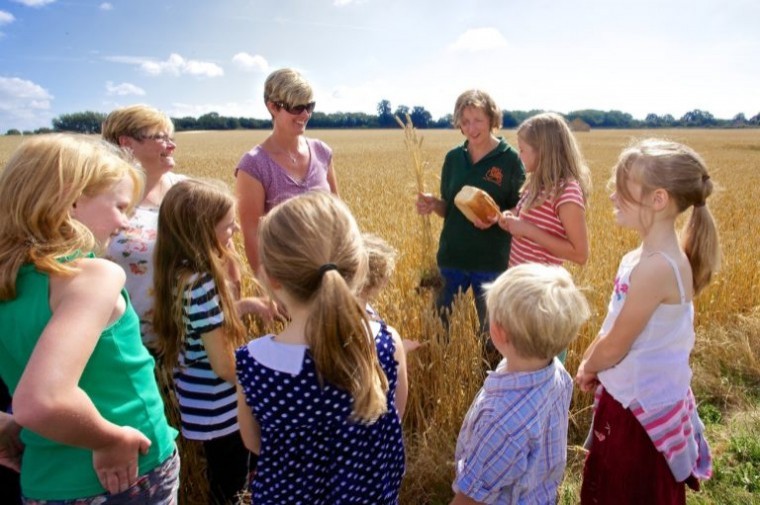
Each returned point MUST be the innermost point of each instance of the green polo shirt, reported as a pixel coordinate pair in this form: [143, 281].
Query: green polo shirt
[500, 173]
[118, 378]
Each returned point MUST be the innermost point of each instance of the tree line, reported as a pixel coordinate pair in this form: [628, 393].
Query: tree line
[90, 122]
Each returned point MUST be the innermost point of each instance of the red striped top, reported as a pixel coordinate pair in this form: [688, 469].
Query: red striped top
[546, 217]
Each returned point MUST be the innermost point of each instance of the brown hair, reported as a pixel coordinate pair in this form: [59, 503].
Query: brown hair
[134, 121]
[559, 158]
[680, 171]
[186, 245]
[479, 100]
[312, 246]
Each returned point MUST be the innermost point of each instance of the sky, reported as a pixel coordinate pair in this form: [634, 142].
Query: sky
[191, 57]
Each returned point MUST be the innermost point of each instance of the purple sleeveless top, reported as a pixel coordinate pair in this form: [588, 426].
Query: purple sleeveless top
[278, 184]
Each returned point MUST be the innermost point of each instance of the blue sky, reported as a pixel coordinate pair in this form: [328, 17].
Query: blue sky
[196, 56]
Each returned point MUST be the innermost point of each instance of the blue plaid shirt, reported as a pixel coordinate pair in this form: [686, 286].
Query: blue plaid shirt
[512, 447]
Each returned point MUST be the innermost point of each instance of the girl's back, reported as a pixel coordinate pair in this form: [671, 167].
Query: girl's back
[312, 452]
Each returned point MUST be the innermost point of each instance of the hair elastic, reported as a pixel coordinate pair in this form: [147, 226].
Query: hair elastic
[705, 178]
[326, 267]
[700, 204]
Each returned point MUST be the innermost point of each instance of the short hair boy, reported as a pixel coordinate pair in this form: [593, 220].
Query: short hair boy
[512, 447]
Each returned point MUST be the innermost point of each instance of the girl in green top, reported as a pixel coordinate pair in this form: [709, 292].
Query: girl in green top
[92, 419]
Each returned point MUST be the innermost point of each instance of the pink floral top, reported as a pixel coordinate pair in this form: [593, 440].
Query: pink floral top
[132, 249]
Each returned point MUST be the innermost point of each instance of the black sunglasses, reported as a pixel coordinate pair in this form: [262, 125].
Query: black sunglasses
[297, 109]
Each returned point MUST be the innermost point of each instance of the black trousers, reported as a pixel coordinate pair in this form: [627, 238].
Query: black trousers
[228, 463]
[10, 489]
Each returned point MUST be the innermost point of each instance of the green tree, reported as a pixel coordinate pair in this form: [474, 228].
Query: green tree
[79, 122]
[420, 117]
[384, 114]
[13, 131]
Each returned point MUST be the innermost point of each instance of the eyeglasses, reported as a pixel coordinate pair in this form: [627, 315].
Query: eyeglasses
[297, 109]
[158, 137]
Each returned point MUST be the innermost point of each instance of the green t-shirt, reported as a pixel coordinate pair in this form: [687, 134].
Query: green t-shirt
[500, 173]
[118, 378]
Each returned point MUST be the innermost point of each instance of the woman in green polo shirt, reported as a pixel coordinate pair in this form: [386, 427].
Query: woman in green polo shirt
[469, 256]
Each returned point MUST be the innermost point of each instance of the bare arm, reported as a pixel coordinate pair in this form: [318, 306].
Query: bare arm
[220, 354]
[574, 248]
[402, 382]
[249, 427]
[48, 399]
[645, 293]
[332, 179]
[250, 199]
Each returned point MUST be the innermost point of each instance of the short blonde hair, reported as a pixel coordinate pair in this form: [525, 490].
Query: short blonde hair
[43, 179]
[479, 100]
[540, 308]
[382, 262]
[288, 87]
[134, 121]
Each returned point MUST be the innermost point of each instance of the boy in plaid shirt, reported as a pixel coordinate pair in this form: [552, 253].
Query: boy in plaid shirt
[512, 447]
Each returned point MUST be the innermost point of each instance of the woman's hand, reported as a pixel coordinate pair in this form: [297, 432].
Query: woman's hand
[427, 203]
[506, 219]
[11, 447]
[116, 463]
[484, 225]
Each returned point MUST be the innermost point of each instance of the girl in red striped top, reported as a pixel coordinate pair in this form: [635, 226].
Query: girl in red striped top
[549, 223]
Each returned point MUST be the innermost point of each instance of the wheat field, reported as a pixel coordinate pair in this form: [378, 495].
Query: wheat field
[377, 180]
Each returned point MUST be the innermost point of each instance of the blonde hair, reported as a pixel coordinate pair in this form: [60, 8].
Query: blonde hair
[479, 100]
[559, 159]
[287, 86]
[186, 245]
[39, 186]
[311, 245]
[539, 307]
[134, 121]
[679, 170]
[381, 257]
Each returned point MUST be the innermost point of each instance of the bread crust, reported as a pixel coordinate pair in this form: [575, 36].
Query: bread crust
[476, 204]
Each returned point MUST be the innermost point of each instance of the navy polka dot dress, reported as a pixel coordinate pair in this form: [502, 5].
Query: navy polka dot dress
[311, 452]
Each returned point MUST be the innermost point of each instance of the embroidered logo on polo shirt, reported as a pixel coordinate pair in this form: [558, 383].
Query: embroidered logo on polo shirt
[494, 175]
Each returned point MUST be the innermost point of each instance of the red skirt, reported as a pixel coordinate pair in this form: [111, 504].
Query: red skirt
[623, 466]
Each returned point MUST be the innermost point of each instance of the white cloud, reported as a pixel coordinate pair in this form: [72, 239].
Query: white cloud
[6, 18]
[251, 63]
[123, 89]
[23, 104]
[341, 3]
[34, 3]
[174, 65]
[479, 39]
[106, 6]
[247, 108]
[177, 65]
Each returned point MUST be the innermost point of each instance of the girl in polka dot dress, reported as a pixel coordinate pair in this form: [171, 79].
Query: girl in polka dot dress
[318, 400]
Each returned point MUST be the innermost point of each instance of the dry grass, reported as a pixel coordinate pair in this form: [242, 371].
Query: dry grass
[376, 181]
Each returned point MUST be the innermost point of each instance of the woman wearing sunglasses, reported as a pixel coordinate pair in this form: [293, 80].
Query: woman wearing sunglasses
[286, 163]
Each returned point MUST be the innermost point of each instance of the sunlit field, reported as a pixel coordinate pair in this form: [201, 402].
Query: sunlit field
[376, 179]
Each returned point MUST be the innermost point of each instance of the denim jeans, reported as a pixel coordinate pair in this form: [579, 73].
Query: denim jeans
[456, 281]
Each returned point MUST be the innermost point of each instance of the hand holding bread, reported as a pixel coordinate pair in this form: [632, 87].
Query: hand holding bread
[477, 206]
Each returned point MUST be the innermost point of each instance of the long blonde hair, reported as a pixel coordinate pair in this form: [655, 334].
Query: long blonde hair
[312, 246]
[559, 159]
[680, 171]
[43, 179]
[186, 245]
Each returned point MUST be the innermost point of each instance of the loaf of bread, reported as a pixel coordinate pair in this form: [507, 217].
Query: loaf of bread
[476, 204]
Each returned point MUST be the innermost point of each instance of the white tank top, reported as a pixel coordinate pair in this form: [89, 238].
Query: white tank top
[656, 370]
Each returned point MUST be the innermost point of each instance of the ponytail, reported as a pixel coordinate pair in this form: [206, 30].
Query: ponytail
[343, 349]
[700, 240]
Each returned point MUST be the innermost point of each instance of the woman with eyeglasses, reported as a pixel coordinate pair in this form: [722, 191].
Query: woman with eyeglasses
[286, 163]
[149, 135]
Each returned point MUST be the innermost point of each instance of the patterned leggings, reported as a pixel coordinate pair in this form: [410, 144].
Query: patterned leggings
[157, 487]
